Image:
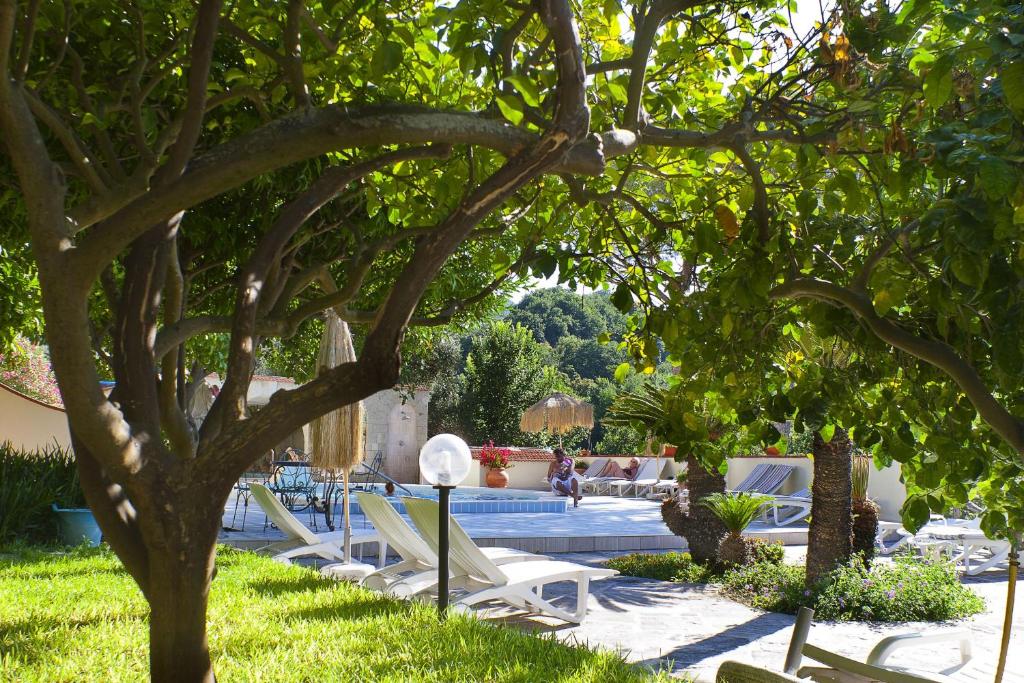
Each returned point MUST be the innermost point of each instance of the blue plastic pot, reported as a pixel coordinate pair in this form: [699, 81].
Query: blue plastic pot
[77, 525]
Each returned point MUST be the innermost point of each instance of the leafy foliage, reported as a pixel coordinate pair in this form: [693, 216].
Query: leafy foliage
[25, 367]
[736, 510]
[30, 483]
[673, 566]
[907, 590]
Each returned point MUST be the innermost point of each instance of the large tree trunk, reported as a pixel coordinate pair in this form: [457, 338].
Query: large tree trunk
[179, 589]
[828, 540]
[698, 525]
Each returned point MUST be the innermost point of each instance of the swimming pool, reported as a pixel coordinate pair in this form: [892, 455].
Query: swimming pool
[478, 500]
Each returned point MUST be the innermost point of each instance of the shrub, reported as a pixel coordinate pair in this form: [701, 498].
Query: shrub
[772, 587]
[771, 552]
[29, 484]
[26, 368]
[907, 590]
[677, 567]
[737, 511]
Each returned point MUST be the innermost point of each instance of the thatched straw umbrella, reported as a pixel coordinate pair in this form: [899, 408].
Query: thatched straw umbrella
[337, 437]
[559, 413]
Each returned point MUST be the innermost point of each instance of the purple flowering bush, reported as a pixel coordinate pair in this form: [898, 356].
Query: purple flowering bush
[909, 589]
[906, 590]
[25, 367]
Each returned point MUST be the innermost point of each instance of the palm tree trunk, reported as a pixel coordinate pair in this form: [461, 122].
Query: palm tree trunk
[828, 541]
[698, 525]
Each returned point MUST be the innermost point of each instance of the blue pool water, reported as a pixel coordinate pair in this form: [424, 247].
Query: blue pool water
[478, 500]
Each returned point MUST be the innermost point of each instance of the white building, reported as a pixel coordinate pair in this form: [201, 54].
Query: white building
[396, 421]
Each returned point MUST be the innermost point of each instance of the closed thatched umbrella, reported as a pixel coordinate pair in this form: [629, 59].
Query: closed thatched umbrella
[337, 437]
[559, 413]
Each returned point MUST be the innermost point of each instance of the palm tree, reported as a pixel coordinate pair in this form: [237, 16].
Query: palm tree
[865, 511]
[646, 411]
[828, 539]
[736, 511]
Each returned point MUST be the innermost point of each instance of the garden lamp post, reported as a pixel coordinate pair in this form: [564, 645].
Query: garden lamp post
[444, 463]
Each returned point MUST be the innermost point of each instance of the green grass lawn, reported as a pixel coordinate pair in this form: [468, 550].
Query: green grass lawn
[78, 617]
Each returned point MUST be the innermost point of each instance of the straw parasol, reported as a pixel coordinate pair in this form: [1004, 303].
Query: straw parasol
[559, 413]
[337, 437]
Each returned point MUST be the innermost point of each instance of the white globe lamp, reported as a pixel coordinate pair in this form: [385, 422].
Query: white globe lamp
[444, 462]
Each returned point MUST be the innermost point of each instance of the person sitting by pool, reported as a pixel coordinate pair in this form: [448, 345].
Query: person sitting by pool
[612, 469]
[563, 477]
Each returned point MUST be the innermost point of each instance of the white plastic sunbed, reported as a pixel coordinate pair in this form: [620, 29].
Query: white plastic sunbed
[417, 558]
[520, 584]
[645, 470]
[301, 540]
[973, 550]
[647, 477]
[876, 667]
[785, 510]
[765, 478]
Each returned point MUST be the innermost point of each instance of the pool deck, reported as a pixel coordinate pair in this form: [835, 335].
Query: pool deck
[599, 524]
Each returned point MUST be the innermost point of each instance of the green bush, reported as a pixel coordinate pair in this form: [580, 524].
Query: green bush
[678, 567]
[29, 485]
[907, 590]
[762, 551]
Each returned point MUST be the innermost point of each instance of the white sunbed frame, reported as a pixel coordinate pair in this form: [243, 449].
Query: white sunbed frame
[604, 485]
[840, 668]
[801, 501]
[519, 584]
[418, 565]
[300, 539]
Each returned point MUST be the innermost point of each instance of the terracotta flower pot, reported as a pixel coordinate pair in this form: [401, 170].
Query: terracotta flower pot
[670, 451]
[497, 478]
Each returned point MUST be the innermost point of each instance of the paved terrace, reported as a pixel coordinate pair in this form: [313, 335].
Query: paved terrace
[600, 523]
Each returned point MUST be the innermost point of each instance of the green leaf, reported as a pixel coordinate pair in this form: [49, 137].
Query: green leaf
[622, 299]
[726, 325]
[938, 84]
[621, 372]
[998, 178]
[527, 88]
[386, 58]
[1012, 78]
[915, 512]
[827, 432]
[511, 108]
[604, 338]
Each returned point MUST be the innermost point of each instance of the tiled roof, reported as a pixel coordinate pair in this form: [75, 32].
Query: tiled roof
[534, 454]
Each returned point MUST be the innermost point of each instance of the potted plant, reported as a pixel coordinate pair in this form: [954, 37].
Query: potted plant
[496, 460]
[75, 519]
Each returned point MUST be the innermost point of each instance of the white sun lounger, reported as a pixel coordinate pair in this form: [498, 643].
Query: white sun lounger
[418, 560]
[520, 584]
[876, 667]
[301, 540]
[765, 478]
[974, 551]
[647, 477]
[645, 470]
[785, 510]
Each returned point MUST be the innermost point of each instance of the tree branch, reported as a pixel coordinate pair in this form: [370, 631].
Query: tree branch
[643, 42]
[27, 36]
[198, 75]
[936, 353]
[760, 208]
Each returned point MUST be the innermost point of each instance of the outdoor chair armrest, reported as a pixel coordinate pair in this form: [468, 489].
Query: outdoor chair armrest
[887, 646]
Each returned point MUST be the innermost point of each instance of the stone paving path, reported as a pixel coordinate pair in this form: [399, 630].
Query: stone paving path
[690, 629]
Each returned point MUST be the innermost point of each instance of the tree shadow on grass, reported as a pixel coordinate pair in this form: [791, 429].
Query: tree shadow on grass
[41, 638]
[350, 612]
[278, 587]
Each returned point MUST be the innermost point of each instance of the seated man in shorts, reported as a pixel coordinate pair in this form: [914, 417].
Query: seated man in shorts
[563, 477]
